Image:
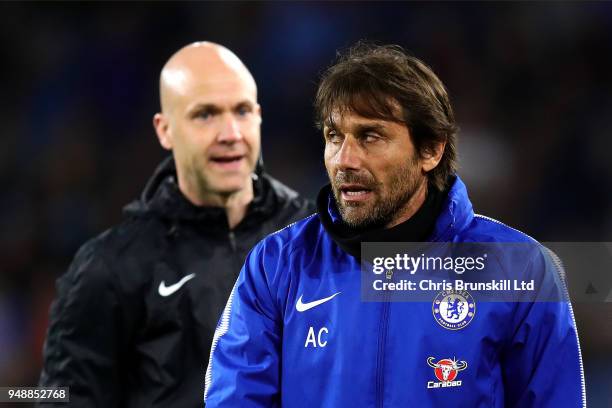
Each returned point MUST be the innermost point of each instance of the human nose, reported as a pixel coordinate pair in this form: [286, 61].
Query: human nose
[349, 156]
[230, 130]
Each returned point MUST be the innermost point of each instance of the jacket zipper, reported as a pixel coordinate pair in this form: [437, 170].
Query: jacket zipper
[382, 340]
[232, 240]
[380, 361]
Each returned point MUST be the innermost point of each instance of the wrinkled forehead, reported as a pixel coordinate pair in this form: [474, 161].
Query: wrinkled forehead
[361, 110]
[361, 107]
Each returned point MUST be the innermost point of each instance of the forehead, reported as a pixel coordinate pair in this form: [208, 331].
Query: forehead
[220, 88]
[349, 119]
[186, 88]
[353, 108]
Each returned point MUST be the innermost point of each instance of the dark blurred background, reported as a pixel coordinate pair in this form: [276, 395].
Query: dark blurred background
[530, 82]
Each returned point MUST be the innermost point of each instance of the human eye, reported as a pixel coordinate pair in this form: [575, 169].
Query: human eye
[371, 137]
[332, 136]
[244, 109]
[204, 114]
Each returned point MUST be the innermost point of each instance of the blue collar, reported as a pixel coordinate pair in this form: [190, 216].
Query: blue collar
[457, 213]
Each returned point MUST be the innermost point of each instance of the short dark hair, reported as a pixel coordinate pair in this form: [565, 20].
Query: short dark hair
[367, 77]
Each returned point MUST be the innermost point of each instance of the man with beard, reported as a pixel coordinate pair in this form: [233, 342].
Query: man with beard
[135, 314]
[295, 331]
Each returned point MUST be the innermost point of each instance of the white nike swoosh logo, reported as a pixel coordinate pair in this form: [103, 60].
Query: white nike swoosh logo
[302, 307]
[168, 290]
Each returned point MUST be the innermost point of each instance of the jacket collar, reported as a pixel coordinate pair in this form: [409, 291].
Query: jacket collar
[162, 198]
[441, 217]
[457, 212]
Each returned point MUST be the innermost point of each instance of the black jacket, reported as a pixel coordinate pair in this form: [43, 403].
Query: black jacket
[113, 338]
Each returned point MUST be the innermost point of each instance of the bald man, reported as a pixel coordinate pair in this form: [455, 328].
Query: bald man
[135, 313]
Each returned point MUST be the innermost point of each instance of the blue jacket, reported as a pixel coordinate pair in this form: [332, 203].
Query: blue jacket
[295, 333]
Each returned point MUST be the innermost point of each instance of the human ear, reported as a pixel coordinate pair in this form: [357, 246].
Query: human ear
[431, 157]
[161, 125]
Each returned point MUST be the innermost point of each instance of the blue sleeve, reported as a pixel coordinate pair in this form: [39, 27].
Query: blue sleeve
[244, 366]
[542, 365]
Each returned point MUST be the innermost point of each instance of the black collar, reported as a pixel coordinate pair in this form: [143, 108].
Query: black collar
[162, 198]
[417, 228]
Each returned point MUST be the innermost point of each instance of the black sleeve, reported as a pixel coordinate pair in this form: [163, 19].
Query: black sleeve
[85, 336]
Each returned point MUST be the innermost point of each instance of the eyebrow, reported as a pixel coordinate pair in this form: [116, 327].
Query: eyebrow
[362, 128]
[359, 128]
[211, 107]
[208, 107]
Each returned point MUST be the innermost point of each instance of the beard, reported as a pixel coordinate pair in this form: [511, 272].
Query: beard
[389, 197]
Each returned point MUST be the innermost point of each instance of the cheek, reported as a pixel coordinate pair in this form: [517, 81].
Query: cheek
[330, 151]
[252, 137]
[204, 136]
[193, 136]
[328, 157]
[383, 171]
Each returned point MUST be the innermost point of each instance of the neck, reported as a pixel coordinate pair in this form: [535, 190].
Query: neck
[234, 203]
[412, 206]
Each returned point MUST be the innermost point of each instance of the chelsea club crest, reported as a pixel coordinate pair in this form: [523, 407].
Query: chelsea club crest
[454, 309]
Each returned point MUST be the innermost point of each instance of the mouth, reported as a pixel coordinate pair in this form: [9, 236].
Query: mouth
[228, 162]
[354, 193]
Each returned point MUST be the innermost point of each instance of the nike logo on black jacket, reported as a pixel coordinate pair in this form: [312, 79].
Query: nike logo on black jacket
[113, 338]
